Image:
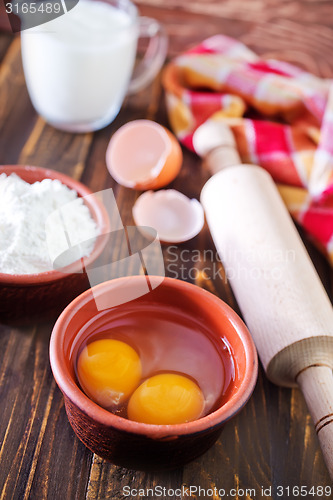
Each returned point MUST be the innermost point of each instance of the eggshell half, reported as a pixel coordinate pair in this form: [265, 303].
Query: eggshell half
[143, 155]
[173, 215]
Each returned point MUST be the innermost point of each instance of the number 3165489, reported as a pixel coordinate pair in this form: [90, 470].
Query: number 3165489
[33, 7]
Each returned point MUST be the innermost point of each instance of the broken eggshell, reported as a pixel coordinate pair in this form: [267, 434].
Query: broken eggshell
[173, 215]
[143, 155]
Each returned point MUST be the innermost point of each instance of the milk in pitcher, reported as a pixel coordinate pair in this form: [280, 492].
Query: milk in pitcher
[78, 66]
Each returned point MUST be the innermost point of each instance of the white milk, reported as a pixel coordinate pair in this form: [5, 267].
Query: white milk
[78, 66]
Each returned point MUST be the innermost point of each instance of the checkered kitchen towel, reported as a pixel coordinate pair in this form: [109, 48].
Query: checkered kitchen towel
[281, 116]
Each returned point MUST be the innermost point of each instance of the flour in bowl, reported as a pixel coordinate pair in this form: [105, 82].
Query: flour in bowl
[30, 237]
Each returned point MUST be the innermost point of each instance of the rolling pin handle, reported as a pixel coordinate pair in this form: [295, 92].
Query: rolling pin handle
[222, 157]
[215, 142]
[316, 384]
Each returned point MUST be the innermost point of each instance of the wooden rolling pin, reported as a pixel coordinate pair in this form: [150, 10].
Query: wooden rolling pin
[275, 283]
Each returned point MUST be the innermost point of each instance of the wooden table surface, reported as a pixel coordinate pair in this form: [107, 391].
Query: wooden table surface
[271, 443]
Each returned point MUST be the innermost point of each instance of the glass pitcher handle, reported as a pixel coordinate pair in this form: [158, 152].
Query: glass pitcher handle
[154, 57]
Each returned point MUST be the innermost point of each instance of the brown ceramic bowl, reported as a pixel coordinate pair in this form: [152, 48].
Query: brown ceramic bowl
[138, 445]
[44, 295]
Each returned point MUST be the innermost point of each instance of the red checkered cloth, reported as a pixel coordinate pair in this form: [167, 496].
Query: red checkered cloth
[281, 117]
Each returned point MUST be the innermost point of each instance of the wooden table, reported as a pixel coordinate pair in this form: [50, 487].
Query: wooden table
[272, 441]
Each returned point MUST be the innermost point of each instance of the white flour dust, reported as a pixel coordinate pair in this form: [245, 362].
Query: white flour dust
[30, 240]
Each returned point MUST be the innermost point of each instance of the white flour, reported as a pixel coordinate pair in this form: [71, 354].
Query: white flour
[30, 240]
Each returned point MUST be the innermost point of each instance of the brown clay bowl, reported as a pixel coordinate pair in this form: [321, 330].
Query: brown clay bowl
[44, 295]
[137, 445]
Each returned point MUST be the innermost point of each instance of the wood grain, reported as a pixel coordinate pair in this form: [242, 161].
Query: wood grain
[272, 441]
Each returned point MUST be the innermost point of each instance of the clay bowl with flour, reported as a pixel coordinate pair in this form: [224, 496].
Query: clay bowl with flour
[43, 295]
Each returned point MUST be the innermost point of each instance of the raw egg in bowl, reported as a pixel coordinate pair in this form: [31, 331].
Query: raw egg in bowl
[149, 384]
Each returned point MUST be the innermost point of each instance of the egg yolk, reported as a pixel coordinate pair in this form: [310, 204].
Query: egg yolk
[167, 398]
[109, 370]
